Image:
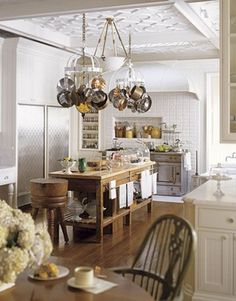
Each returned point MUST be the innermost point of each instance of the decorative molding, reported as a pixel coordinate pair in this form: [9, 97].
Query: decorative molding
[168, 31]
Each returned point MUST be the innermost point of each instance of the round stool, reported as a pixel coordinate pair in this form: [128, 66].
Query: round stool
[50, 194]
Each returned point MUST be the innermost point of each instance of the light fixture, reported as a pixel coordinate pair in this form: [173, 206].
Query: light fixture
[129, 91]
[82, 84]
[111, 61]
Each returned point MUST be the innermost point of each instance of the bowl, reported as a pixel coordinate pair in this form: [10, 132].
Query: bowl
[67, 164]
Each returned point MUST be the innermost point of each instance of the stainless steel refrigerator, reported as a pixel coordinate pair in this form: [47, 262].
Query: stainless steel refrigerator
[43, 138]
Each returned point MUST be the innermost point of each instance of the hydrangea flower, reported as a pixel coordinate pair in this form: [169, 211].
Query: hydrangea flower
[21, 244]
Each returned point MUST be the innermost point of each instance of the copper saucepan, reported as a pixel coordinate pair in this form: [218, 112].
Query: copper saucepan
[137, 92]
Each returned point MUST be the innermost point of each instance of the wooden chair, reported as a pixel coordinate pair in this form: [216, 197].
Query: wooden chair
[163, 257]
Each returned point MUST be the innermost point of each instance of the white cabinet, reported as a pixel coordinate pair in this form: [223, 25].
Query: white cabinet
[228, 71]
[39, 67]
[214, 273]
[214, 262]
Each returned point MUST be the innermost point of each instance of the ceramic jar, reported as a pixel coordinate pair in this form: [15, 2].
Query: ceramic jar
[155, 133]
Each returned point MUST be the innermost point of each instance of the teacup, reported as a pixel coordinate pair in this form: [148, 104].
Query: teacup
[84, 276]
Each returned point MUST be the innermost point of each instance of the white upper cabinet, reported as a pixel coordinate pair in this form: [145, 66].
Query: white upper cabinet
[228, 71]
[39, 67]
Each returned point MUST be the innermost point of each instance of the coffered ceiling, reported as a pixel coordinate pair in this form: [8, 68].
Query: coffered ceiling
[172, 30]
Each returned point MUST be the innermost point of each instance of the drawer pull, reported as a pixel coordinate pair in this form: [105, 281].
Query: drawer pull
[230, 220]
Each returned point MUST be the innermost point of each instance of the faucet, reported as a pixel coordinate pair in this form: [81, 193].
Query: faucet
[233, 156]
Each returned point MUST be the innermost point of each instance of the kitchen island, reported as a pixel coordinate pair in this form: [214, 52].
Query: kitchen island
[98, 183]
[212, 275]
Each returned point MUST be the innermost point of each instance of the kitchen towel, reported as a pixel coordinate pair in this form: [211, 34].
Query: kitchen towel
[154, 183]
[122, 196]
[146, 184]
[112, 190]
[130, 193]
[187, 161]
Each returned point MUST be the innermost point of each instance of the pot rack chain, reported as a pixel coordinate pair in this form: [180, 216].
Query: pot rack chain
[129, 57]
[83, 44]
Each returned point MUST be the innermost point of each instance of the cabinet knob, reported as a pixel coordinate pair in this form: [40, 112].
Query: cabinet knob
[230, 220]
[224, 237]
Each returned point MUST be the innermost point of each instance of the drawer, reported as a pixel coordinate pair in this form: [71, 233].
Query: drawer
[7, 175]
[217, 218]
[168, 190]
[165, 158]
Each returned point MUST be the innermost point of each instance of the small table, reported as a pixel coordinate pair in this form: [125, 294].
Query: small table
[58, 290]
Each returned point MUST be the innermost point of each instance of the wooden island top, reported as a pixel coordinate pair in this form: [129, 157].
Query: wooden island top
[103, 174]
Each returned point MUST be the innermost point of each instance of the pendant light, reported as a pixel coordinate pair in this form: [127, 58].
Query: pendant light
[110, 61]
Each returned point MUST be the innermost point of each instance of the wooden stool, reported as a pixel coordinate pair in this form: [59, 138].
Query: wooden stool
[50, 194]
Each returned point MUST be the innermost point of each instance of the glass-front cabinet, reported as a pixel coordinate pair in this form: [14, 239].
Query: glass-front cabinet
[228, 71]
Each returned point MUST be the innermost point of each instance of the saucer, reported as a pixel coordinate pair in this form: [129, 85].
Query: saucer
[71, 283]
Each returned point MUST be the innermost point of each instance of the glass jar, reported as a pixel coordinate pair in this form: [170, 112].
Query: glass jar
[128, 133]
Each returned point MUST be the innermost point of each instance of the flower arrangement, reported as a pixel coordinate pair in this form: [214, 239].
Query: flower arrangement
[21, 244]
[67, 163]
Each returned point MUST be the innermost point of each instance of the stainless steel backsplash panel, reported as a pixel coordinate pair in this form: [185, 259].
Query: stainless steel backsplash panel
[30, 148]
[58, 136]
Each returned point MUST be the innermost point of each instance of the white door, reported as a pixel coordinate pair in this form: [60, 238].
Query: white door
[215, 262]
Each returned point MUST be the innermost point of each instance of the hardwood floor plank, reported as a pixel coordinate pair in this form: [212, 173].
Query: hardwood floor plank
[117, 249]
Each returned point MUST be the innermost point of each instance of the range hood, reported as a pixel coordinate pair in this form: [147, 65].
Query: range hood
[162, 78]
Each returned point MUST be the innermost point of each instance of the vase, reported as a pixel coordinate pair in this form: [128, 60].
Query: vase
[4, 286]
[82, 164]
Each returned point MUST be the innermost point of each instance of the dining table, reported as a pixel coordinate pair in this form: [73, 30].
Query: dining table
[27, 289]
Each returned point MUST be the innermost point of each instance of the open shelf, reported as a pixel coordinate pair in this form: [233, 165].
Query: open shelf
[89, 134]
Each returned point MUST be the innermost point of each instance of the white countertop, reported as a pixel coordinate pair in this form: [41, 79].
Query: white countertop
[204, 194]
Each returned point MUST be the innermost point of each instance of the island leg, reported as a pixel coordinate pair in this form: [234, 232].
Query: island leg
[99, 212]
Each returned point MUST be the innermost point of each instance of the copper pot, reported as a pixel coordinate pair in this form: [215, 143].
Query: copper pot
[84, 108]
[136, 92]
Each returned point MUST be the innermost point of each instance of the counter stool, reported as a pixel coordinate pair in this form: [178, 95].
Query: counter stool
[50, 194]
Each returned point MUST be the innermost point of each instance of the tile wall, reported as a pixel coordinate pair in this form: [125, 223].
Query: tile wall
[173, 108]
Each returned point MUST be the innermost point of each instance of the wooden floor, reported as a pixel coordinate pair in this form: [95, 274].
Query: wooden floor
[117, 249]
